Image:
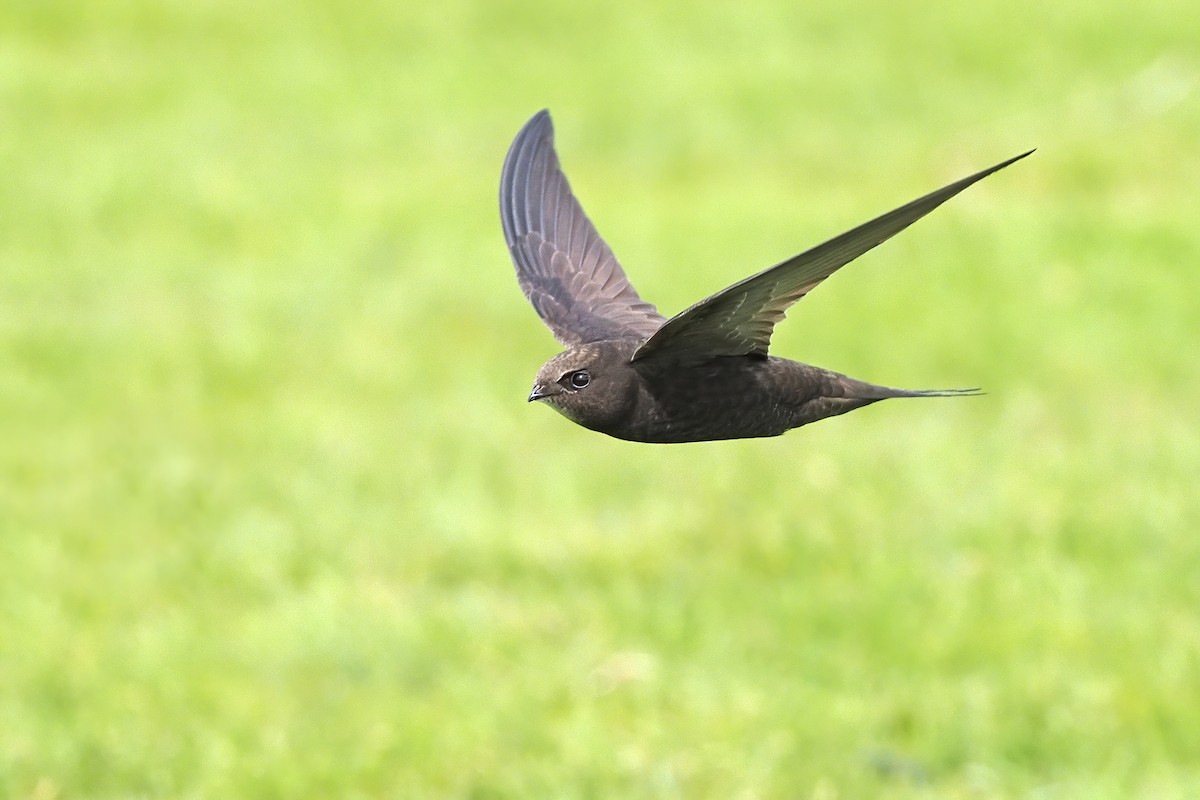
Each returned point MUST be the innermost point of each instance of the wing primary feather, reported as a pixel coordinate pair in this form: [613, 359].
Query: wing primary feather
[739, 319]
[565, 269]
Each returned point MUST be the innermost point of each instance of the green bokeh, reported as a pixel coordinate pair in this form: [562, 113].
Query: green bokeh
[277, 521]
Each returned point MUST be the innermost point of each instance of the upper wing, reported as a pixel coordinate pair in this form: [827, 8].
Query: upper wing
[565, 269]
[739, 320]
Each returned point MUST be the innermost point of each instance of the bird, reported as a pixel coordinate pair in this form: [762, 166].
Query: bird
[704, 374]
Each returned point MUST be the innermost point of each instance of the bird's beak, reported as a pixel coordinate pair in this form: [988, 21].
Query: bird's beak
[540, 391]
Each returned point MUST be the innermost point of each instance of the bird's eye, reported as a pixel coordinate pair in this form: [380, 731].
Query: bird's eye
[579, 379]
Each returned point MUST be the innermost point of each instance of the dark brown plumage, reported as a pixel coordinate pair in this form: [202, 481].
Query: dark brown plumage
[703, 374]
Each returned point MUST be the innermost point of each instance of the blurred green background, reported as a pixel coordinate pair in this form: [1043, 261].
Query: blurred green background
[277, 521]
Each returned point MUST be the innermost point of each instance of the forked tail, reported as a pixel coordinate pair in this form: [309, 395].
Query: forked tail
[861, 390]
[839, 393]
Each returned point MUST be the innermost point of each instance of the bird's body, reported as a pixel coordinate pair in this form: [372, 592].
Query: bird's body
[730, 397]
[721, 398]
[701, 375]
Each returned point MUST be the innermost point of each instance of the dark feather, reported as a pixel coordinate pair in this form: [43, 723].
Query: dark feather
[565, 269]
[739, 320]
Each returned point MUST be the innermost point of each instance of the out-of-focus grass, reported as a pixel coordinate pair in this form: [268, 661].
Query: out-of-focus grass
[277, 521]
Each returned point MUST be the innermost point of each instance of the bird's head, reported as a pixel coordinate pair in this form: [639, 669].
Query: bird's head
[590, 384]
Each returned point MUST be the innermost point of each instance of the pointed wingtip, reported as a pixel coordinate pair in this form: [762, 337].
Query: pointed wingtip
[1028, 152]
[540, 119]
[996, 168]
[1013, 160]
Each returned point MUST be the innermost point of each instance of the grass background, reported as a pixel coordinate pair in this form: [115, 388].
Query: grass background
[277, 521]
